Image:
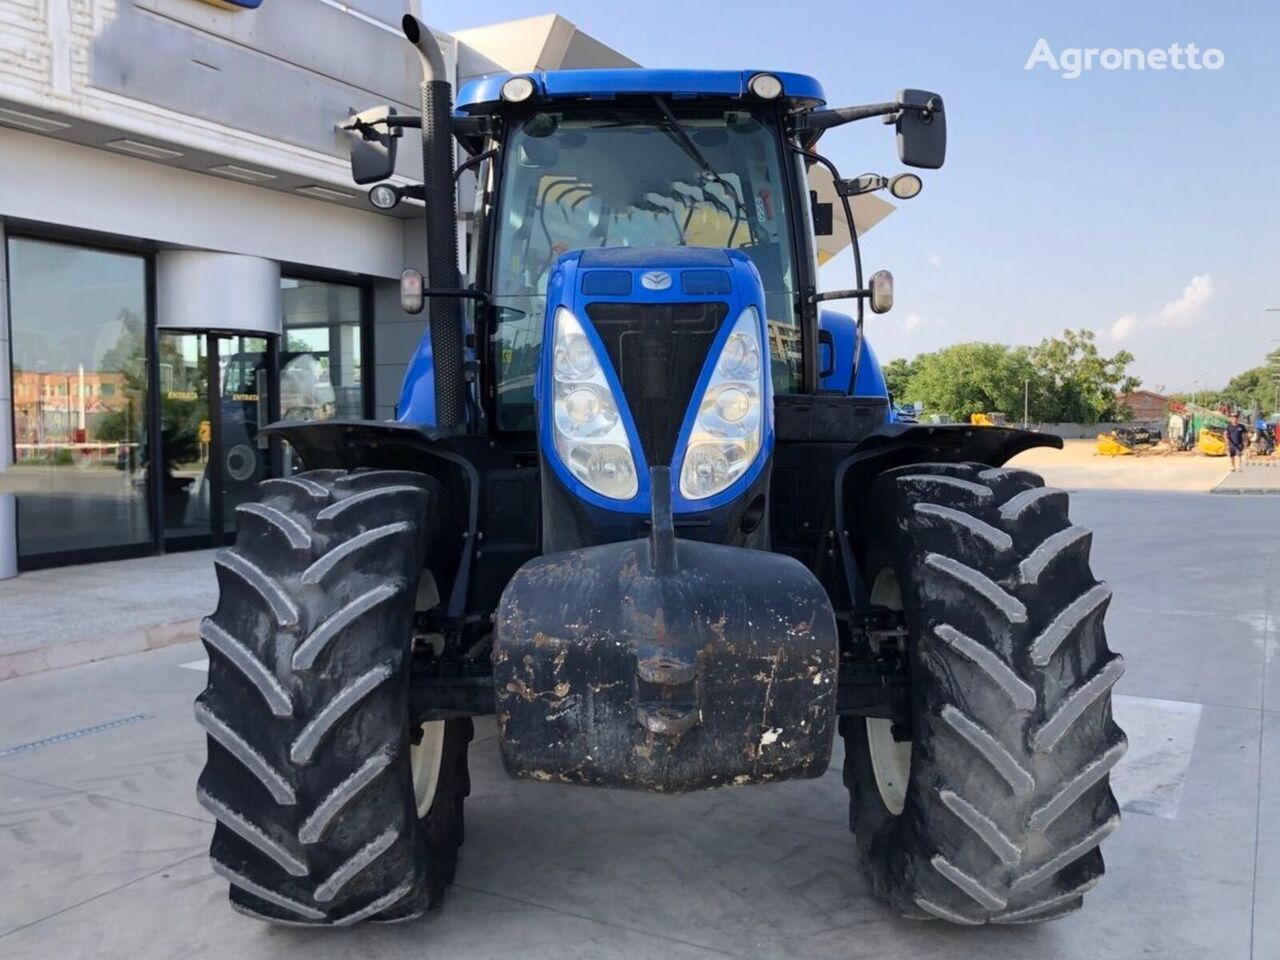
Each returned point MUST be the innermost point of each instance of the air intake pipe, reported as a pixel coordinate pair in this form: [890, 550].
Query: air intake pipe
[444, 314]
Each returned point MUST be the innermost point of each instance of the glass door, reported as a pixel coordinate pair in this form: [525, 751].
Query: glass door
[244, 365]
[186, 439]
[215, 392]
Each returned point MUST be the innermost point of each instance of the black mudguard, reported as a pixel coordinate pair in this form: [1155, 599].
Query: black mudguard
[665, 665]
[486, 498]
[899, 445]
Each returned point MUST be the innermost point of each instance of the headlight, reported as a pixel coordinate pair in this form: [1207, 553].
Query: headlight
[590, 438]
[729, 428]
[517, 89]
[765, 86]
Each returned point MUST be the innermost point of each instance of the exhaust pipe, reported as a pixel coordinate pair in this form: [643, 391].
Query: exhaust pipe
[444, 314]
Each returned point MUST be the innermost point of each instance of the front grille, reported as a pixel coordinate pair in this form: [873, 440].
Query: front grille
[657, 350]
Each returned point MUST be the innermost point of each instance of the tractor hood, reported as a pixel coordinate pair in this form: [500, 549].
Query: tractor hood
[656, 322]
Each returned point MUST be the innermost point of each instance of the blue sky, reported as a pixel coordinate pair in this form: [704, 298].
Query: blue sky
[1138, 204]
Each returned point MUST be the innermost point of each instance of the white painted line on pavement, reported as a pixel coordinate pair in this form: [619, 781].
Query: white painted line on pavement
[201, 665]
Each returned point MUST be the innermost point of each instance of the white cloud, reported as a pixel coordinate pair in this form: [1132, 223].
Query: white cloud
[910, 322]
[935, 260]
[1178, 314]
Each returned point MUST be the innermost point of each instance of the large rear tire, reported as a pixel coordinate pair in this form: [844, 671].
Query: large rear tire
[991, 805]
[309, 772]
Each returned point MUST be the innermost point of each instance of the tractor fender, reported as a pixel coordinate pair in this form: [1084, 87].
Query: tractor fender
[456, 460]
[900, 444]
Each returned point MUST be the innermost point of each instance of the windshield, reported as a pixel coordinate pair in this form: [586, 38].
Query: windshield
[623, 177]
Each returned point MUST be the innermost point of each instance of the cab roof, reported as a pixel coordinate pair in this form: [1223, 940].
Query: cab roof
[481, 96]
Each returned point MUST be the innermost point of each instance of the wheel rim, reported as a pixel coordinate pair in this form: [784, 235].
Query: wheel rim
[424, 759]
[426, 754]
[890, 759]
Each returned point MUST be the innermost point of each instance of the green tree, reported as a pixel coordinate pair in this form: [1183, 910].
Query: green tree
[897, 374]
[970, 378]
[1255, 389]
[1075, 383]
[1065, 379]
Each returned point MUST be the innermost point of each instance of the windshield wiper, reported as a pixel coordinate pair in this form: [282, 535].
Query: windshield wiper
[681, 137]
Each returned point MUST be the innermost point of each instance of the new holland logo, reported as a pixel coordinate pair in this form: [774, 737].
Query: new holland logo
[655, 280]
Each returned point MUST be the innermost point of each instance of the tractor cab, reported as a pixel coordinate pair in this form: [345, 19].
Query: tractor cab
[636, 159]
[646, 159]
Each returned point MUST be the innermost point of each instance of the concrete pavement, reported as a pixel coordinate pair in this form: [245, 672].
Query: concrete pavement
[104, 844]
[72, 615]
[1259, 475]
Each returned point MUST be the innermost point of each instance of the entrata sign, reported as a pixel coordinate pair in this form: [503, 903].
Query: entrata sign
[235, 4]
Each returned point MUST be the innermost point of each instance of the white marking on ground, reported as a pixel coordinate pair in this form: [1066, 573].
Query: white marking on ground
[202, 665]
[1162, 737]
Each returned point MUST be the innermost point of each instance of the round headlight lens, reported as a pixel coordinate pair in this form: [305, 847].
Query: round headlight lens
[739, 357]
[517, 89]
[765, 86]
[735, 350]
[732, 404]
[384, 196]
[905, 186]
[575, 360]
[582, 405]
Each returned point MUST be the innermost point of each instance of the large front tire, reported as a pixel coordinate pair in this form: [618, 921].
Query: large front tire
[307, 709]
[1007, 755]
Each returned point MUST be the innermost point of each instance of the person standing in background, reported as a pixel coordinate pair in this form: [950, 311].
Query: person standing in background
[1237, 436]
[1176, 431]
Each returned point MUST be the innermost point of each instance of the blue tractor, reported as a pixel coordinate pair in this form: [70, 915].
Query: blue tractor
[645, 501]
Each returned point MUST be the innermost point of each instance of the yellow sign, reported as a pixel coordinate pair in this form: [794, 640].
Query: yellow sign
[182, 395]
[245, 397]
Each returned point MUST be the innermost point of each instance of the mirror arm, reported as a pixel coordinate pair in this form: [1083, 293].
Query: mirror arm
[839, 295]
[812, 125]
[857, 263]
[820, 120]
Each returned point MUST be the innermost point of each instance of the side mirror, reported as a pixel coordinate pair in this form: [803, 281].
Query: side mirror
[922, 129]
[373, 144]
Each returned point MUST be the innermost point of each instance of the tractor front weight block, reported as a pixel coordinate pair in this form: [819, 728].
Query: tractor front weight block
[666, 665]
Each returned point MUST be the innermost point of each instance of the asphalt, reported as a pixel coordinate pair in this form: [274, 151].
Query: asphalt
[103, 844]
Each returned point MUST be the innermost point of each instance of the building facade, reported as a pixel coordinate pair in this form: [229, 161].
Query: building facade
[1145, 404]
[185, 256]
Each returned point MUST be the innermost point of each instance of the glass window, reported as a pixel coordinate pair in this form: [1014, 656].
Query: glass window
[79, 343]
[621, 177]
[320, 362]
